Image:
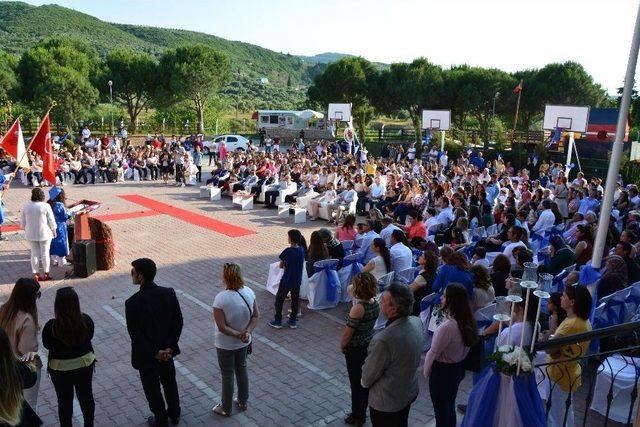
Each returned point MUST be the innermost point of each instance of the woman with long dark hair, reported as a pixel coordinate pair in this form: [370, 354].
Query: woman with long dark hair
[381, 263]
[60, 244]
[15, 375]
[444, 362]
[456, 270]
[19, 318]
[292, 261]
[421, 286]
[317, 251]
[71, 359]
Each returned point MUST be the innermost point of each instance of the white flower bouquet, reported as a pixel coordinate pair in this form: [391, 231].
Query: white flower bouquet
[506, 360]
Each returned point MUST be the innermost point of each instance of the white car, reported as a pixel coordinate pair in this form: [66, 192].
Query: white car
[233, 143]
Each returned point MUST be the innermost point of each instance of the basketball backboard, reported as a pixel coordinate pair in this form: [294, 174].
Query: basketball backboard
[566, 117]
[340, 112]
[436, 119]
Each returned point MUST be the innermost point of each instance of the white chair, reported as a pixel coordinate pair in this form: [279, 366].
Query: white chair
[303, 201]
[323, 283]
[245, 202]
[623, 372]
[492, 229]
[352, 265]
[275, 274]
[323, 212]
[211, 193]
[407, 275]
[484, 316]
[291, 188]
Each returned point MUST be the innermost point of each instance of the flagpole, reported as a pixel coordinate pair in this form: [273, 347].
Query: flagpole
[515, 123]
[26, 151]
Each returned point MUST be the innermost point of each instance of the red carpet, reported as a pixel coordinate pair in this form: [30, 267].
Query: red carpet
[188, 216]
[107, 217]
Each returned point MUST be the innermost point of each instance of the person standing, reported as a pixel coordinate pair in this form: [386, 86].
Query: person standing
[444, 362]
[71, 359]
[60, 244]
[355, 340]
[197, 161]
[19, 318]
[154, 323]
[39, 227]
[17, 374]
[390, 369]
[3, 182]
[292, 260]
[235, 315]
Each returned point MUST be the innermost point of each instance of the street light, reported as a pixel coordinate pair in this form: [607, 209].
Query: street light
[493, 116]
[111, 102]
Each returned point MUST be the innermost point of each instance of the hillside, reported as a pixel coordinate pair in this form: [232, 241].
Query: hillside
[23, 25]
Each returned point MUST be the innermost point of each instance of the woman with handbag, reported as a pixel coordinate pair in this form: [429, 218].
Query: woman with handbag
[235, 315]
[444, 362]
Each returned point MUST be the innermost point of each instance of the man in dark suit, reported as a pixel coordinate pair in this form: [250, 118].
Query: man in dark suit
[154, 322]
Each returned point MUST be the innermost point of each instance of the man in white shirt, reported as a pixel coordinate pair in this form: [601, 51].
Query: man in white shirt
[377, 190]
[401, 255]
[444, 160]
[430, 215]
[366, 240]
[342, 203]
[86, 133]
[546, 220]
[411, 153]
[389, 228]
[446, 215]
[515, 235]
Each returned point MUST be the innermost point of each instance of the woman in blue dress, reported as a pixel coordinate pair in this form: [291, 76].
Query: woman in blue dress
[60, 244]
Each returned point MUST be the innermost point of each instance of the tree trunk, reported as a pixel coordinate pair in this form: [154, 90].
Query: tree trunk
[415, 120]
[200, 109]
[134, 122]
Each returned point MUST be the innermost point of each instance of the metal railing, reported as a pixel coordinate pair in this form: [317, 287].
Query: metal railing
[622, 340]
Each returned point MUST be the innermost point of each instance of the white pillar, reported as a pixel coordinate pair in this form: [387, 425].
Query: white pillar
[616, 153]
[571, 141]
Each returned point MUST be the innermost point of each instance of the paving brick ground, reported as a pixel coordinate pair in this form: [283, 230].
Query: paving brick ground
[297, 378]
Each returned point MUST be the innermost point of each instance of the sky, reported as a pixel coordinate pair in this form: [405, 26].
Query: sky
[506, 34]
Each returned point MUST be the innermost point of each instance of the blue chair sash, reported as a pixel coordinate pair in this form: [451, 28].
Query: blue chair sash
[331, 282]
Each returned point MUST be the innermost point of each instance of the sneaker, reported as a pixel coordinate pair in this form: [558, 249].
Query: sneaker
[293, 324]
[47, 277]
[276, 324]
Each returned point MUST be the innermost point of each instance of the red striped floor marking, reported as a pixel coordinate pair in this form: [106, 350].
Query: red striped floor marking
[107, 217]
[188, 216]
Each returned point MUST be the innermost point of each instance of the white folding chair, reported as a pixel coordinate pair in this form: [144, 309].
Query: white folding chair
[407, 275]
[385, 281]
[322, 283]
[623, 372]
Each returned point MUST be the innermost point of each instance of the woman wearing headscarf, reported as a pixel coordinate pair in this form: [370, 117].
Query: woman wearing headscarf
[60, 244]
[614, 277]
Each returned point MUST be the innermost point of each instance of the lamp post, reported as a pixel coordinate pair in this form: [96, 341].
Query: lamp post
[111, 102]
[493, 114]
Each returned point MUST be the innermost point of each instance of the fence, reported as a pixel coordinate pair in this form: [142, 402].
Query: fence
[621, 339]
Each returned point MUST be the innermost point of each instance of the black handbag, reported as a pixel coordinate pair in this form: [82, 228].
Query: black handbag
[476, 357]
[250, 346]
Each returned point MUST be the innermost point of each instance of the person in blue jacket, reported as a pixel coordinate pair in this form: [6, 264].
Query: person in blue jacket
[60, 244]
[456, 270]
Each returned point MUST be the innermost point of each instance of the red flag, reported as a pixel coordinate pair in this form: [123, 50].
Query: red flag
[518, 88]
[41, 144]
[13, 143]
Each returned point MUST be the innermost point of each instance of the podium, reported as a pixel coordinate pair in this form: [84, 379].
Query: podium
[81, 209]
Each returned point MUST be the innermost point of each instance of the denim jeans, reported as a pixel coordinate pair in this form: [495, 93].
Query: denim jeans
[233, 362]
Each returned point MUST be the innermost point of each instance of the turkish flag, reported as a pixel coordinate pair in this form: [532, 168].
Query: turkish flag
[41, 144]
[518, 88]
[13, 143]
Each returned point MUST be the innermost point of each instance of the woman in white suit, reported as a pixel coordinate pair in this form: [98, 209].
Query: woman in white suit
[39, 227]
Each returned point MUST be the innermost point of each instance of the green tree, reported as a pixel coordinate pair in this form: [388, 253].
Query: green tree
[134, 77]
[349, 80]
[195, 73]
[8, 83]
[412, 87]
[470, 91]
[59, 70]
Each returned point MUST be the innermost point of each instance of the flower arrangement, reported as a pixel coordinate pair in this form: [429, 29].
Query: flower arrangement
[506, 359]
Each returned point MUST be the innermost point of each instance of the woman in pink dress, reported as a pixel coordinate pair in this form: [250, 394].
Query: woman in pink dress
[222, 151]
[347, 230]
